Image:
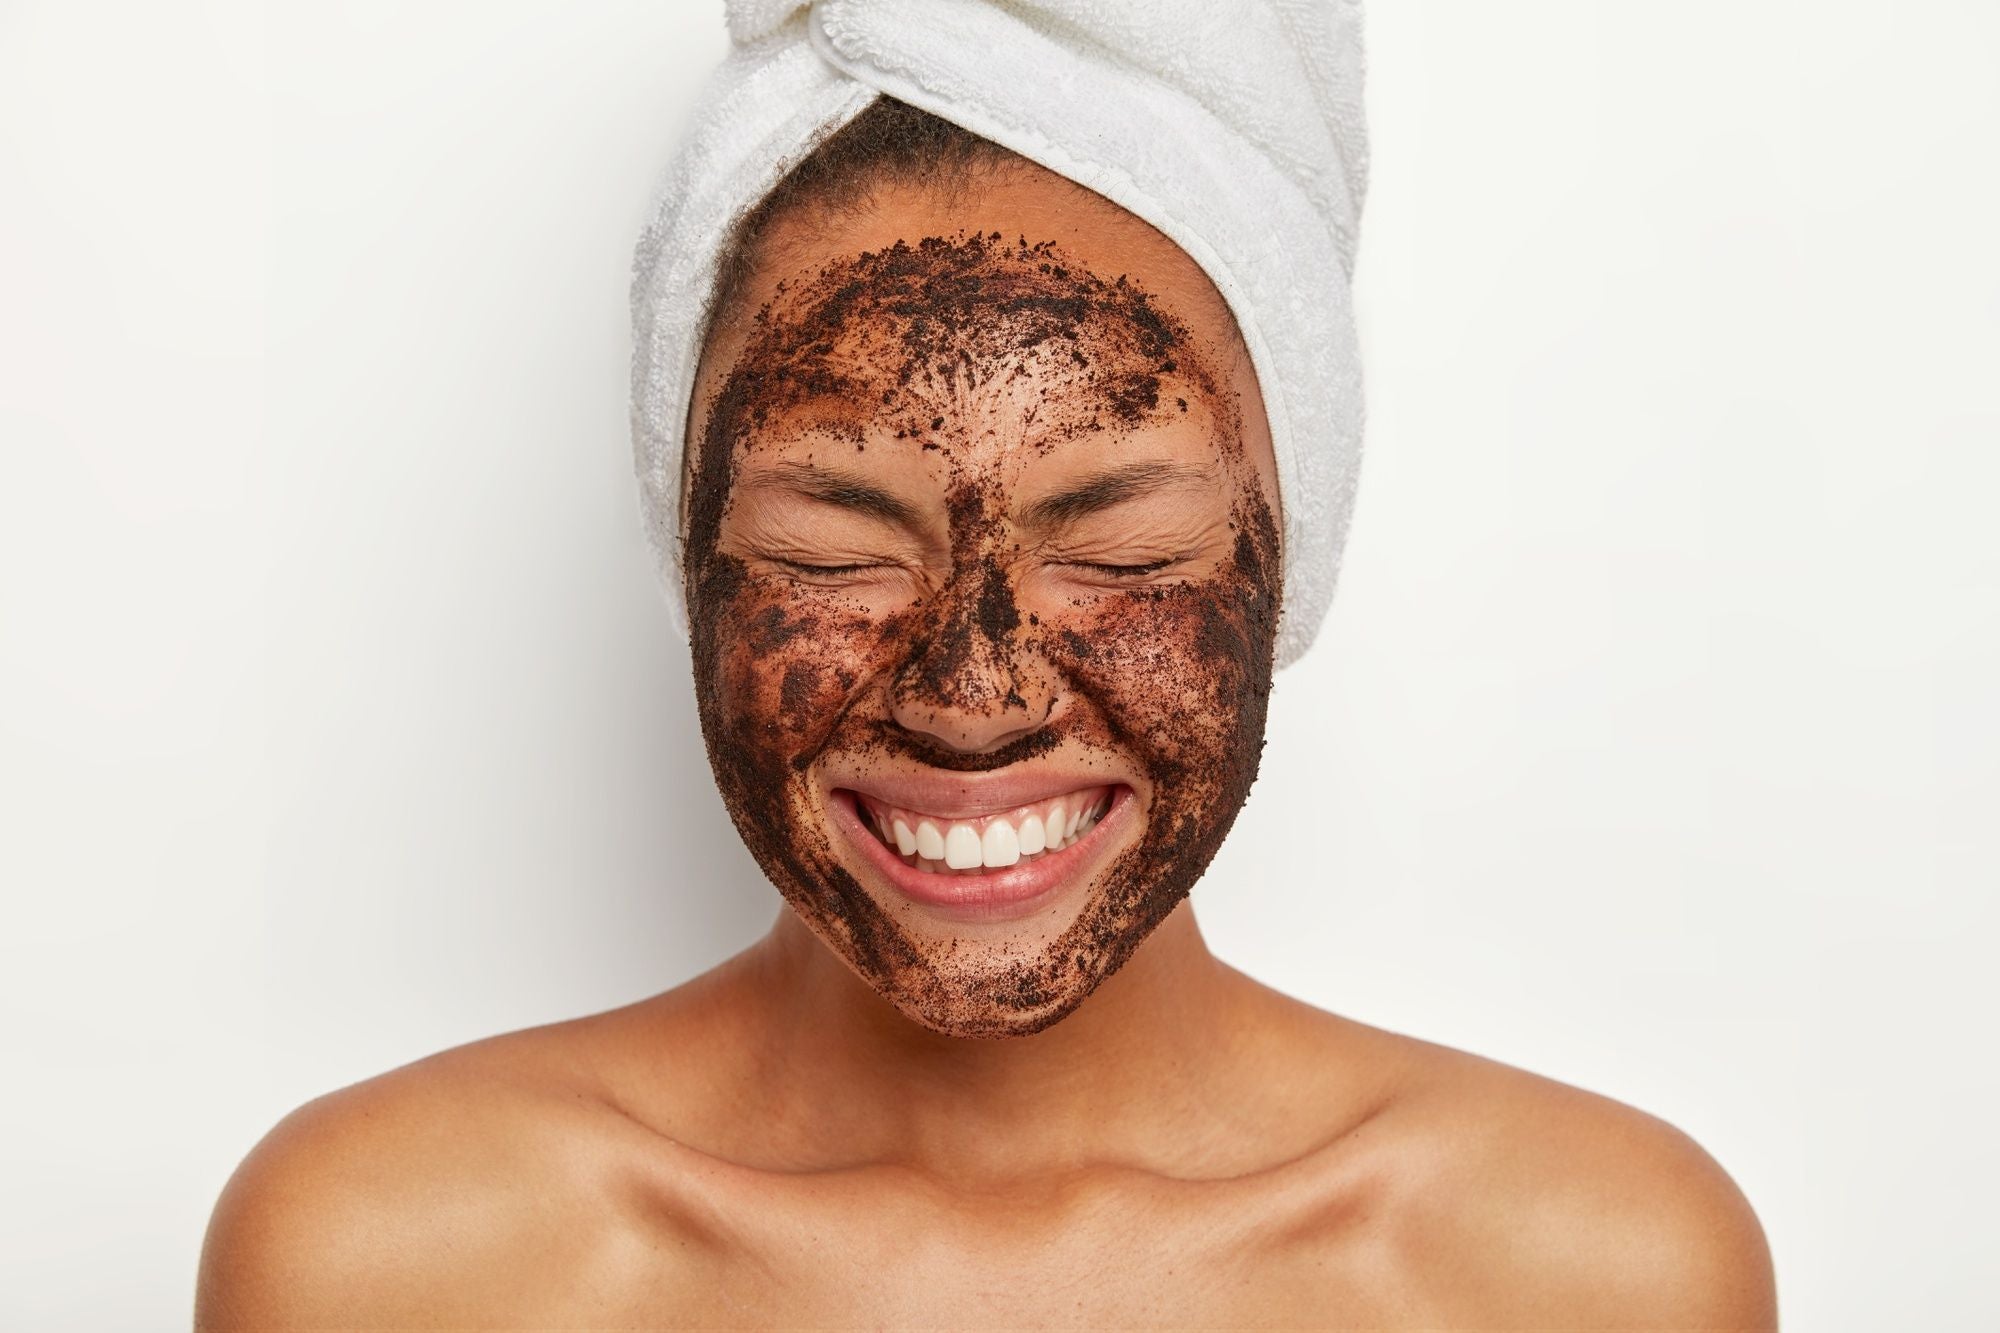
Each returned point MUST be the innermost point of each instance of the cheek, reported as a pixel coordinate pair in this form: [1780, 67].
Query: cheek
[776, 664]
[1181, 675]
[1171, 673]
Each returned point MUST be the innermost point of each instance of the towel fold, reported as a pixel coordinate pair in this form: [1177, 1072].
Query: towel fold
[1235, 127]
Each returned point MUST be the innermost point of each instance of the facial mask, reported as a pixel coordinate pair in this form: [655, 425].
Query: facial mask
[967, 360]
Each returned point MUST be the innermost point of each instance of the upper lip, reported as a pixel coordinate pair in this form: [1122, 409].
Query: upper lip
[970, 795]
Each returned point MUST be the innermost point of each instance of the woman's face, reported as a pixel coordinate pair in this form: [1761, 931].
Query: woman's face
[982, 567]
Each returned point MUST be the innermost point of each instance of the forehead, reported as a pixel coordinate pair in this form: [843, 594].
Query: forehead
[1023, 200]
[1018, 259]
[968, 339]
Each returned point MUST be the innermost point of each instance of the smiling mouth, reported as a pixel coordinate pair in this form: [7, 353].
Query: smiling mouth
[935, 844]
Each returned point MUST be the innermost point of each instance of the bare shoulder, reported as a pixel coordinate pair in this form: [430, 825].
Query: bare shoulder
[1532, 1203]
[468, 1188]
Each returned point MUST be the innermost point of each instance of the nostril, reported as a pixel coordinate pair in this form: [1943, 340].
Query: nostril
[968, 733]
[931, 750]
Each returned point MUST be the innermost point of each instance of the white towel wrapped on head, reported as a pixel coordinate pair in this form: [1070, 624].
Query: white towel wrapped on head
[1235, 127]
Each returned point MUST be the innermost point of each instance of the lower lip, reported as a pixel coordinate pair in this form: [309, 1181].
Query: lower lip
[994, 895]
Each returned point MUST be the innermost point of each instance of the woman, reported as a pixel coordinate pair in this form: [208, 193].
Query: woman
[983, 544]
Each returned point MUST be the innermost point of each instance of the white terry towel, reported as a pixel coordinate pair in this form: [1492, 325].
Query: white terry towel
[1233, 126]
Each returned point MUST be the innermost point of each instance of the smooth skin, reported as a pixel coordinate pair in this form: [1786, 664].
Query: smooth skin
[775, 1144]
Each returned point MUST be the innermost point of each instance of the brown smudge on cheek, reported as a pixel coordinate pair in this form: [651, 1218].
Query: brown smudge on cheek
[1181, 676]
[1171, 679]
[775, 667]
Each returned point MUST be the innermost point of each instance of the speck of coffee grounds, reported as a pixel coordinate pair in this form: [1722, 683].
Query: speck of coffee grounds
[1171, 680]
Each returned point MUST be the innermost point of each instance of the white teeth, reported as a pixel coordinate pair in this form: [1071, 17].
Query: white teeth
[961, 847]
[1000, 846]
[1033, 837]
[988, 842]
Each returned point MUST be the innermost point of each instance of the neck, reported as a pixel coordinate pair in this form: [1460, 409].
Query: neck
[1136, 1062]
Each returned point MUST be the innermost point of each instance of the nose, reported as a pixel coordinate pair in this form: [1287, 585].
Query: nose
[973, 685]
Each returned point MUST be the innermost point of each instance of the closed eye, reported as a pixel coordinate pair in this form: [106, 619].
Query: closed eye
[850, 574]
[1125, 571]
[804, 567]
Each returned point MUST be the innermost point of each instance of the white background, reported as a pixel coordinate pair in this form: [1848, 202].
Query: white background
[1653, 743]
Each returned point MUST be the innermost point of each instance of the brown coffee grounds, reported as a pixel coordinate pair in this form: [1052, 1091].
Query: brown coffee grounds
[1171, 678]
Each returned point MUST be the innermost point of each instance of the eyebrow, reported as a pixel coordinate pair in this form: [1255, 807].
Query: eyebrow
[1111, 487]
[835, 487]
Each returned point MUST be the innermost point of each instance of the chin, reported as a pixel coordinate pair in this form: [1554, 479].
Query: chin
[977, 1015]
[976, 988]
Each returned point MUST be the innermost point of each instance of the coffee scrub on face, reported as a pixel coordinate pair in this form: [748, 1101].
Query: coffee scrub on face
[968, 359]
